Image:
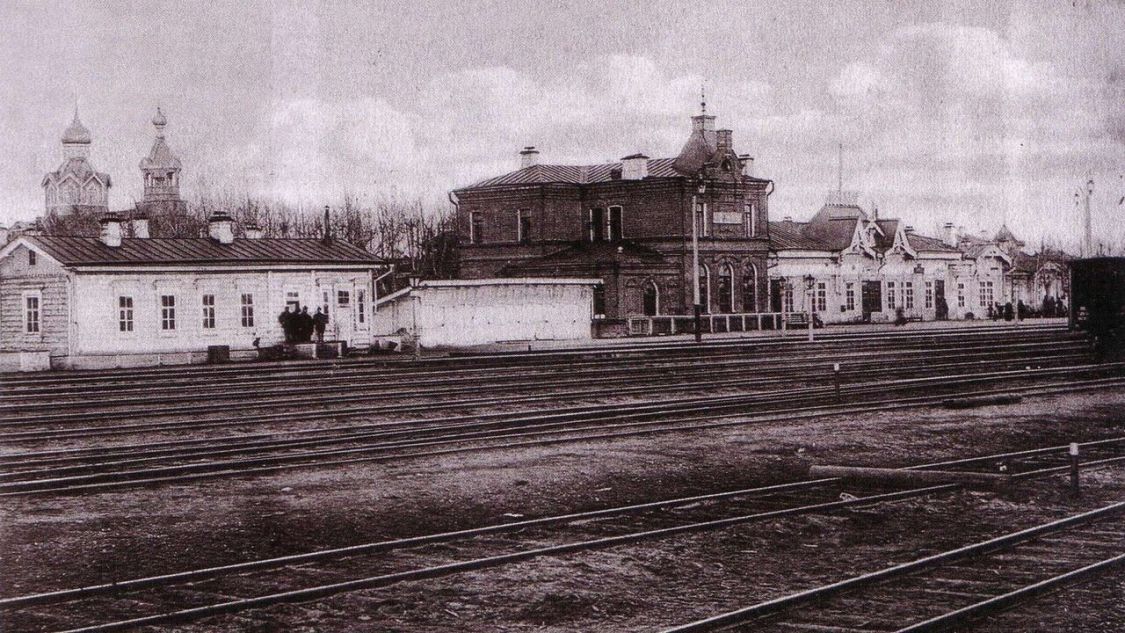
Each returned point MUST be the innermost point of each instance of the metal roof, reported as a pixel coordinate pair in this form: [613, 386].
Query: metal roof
[200, 250]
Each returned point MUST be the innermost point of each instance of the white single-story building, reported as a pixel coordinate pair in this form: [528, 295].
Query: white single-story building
[467, 312]
[862, 268]
[111, 301]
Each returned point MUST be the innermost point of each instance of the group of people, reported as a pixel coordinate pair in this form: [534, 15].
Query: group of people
[299, 325]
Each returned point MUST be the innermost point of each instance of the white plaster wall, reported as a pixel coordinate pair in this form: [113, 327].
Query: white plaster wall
[96, 327]
[461, 315]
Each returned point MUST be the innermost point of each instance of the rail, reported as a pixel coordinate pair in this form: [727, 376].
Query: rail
[662, 324]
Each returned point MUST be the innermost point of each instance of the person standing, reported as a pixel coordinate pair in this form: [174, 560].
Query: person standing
[286, 321]
[306, 325]
[320, 321]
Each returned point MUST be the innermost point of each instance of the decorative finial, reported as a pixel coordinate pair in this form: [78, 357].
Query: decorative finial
[702, 99]
[159, 122]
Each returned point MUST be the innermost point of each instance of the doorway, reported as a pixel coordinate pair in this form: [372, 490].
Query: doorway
[872, 299]
[941, 308]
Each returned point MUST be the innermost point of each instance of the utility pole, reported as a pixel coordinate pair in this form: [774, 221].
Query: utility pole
[839, 167]
[1088, 243]
[697, 309]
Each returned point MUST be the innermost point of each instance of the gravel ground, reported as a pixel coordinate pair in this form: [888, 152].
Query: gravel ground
[67, 541]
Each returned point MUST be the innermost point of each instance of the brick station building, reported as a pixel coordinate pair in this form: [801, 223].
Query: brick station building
[628, 223]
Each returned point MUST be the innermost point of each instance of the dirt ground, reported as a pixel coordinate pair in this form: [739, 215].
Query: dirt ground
[59, 542]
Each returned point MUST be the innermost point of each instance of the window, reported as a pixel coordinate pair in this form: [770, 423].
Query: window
[615, 234]
[247, 309]
[985, 294]
[849, 297]
[705, 288]
[751, 219]
[726, 290]
[523, 226]
[820, 299]
[31, 313]
[125, 314]
[891, 295]
[208, 312]
[704, 225]
[597, 225]
[599, 300]
[651, 299]
[929, 294]
[908, 293]
[787, 299]
[750, 289]
[167, 312]
[476, 227]
[31, 258]
[343, 297]
[960, 295]
[361, 305]
[293, 300]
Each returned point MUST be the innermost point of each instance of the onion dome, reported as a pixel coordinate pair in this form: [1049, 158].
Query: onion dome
[76, 133]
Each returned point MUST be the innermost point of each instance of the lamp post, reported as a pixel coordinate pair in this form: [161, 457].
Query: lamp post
[696, 203]
[809, 282]
[415, 279]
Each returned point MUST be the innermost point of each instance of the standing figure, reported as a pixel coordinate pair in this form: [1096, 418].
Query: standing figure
[286, 321]
[320, 320]
[306, 325]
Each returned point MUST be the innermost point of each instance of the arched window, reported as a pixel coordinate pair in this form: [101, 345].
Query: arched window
[750, 289]
[651, 299]
[726, 289]
[705, 288]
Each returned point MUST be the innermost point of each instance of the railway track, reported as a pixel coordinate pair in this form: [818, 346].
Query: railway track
[47, 425]
[198, 374]
[947, 590]
[132, 401]
[130, 603]
[150, 464]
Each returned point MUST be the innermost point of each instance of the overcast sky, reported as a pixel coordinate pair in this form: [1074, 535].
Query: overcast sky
[970, 112]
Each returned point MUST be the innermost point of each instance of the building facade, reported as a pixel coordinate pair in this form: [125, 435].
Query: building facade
[112, 300]
[629, 224]
[849, 266]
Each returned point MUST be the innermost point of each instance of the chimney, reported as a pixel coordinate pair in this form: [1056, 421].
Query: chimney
[327, 226]
[529, 157]
[253, 231]
[747, 164]
[111, 230]
[908, 229]
[220, 226]
[949, 234]
[787, 218]
[634, 167]
[140, 226]
[724, 140]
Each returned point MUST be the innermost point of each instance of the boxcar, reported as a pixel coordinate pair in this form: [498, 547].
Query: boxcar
[1097, 296]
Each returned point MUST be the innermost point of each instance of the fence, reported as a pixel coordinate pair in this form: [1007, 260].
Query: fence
[708, 323]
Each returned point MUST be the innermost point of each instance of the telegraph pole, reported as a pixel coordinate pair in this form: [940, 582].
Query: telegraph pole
[1088, 243]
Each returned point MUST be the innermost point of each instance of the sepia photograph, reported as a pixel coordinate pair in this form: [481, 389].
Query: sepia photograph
[637, 316]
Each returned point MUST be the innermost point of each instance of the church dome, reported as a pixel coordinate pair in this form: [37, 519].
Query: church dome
[76, 133]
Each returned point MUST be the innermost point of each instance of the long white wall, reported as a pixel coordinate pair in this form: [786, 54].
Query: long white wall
[476, 312]
[96, 297]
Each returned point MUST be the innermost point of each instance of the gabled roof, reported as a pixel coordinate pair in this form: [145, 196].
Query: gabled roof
[85, 251]
[81, 169]
[926, 244]
[788, 235]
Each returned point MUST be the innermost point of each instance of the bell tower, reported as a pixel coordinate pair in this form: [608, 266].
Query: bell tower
[161, 168]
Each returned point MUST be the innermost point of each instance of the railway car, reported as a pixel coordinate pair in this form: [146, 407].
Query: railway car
[1097, 291]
